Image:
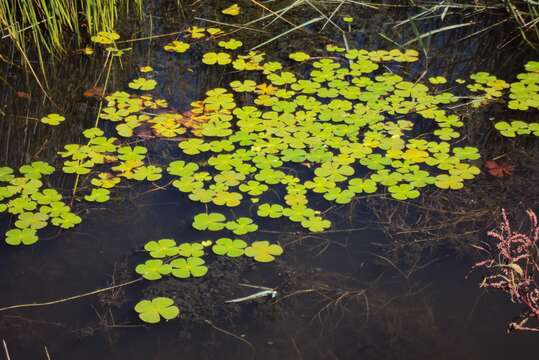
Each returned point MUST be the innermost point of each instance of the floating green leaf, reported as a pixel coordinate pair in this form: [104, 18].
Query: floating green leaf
[36, 170]
[270, 210]
[220, 58]
[299, 56]
[231, 44]
[143, 84]
[151, 311]
[229, 247]
[17, 237]
[211, 221]
[190, 267]
[153, 269]
[6, 174]
[161, 248]
[177, 46]
[150, 173]
[242, 226]
[52, 119]
[34, 221]
[263, 251]
[98, 195]
[191, 250]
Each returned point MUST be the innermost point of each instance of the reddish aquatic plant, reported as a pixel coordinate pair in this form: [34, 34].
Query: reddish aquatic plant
[499, 169]
[514, 269]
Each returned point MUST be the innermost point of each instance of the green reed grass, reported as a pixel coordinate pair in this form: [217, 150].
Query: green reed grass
[50, 25]
[525, 13]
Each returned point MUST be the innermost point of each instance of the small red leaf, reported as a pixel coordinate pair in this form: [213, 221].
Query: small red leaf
[95, 92]
[499, 169]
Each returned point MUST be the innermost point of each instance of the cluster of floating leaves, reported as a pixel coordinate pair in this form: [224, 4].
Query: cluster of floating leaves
[344, 128]
[348, 123]
[35, 206]
[186, 261]
[114, 162]
[524, 96]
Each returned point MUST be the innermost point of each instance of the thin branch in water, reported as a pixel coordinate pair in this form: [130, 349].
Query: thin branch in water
[75, 297]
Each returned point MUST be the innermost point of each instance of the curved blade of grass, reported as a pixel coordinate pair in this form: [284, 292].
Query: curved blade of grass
[312, 21]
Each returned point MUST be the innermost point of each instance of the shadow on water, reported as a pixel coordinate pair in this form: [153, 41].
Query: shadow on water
[341, 296]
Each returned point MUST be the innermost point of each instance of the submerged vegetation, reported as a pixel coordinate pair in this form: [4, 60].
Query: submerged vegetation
[35, 206]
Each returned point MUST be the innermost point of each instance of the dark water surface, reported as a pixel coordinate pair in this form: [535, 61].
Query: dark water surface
[340, 296]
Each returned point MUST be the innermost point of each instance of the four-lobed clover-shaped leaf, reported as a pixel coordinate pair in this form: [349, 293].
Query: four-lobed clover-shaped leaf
[403, 192]
[191, 250]
[66, 220]
[143, 84]
[98, 195]
[445, 181]
[181, 168]
[270, 210]
[132, 153]
[159, 249]
[151, 311]
[263, 251]
[242, 226]
[153, 269]
[21, 204]
[52, 119]
[211, 221]
[229, 247]
[190, 267]
[221, 58]
[227, 198]
[78, 167]
[316, 224]
[17, 237]
[177, 46]
[358, 186]
[299, 56]
[253, 187]
[47, 196]
[36, 170]
[150, 173]
[28, 220]
[105, 37]
[231, 44]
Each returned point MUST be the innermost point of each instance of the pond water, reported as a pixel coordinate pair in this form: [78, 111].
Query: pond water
[387, 281]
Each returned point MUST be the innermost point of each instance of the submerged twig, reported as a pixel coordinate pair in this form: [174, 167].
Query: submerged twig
[230, 334]
[75, 297]
[433, 32]
[6, 350]
[312, 21]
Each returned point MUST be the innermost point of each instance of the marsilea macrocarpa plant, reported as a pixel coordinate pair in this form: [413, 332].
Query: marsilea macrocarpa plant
[281, 135]
[346, 128]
